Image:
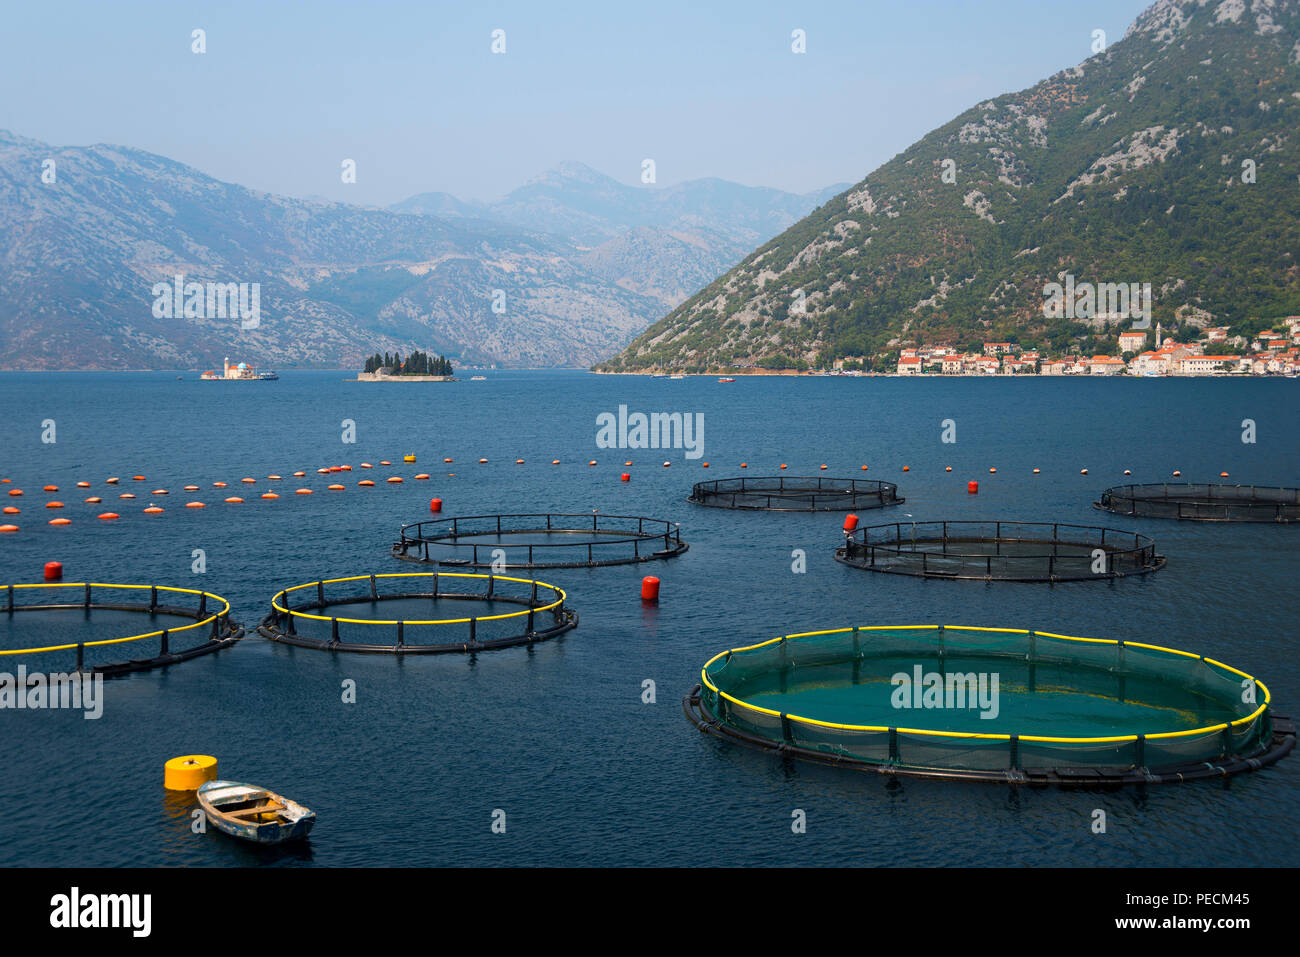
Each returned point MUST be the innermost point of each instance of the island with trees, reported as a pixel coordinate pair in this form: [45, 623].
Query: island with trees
[417, 367]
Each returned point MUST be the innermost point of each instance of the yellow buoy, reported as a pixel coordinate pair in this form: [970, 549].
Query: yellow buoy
[189, 771]
[408, 458]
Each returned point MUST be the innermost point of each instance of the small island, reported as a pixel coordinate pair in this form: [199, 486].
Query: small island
[418, 367]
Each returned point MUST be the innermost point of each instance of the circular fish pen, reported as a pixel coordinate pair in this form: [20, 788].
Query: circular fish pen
[539, 540]
[1000, 551]
[991, 704]
[1204, 502]
[352, 618]
[183, 623]
[795, 493]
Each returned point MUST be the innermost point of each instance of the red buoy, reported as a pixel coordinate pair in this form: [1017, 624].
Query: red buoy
[850, 522]
[435, 505]
[53, 571]
[625, 477]
[973, 487]
[649, 588]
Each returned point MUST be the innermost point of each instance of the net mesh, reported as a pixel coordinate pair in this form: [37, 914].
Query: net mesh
[1204, 502]
[795, 493]
[1068, 702]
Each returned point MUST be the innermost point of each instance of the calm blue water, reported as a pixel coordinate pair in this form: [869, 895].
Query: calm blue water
[558, 736]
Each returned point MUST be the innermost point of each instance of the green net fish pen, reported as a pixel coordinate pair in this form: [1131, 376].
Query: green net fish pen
[998, 550]
[406, 613]
[795, 493]
[991, 704]
[110, 629]
[1204, 502]
[539, 540]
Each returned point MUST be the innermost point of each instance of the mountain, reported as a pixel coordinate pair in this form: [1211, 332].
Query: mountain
[1169, 158]
[80, 257]
[664, 243]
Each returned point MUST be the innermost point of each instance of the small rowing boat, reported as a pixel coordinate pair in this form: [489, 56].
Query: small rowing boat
[254, 814]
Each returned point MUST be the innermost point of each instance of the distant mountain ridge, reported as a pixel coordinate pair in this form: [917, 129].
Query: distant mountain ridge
[79, 257]
[1171, 158]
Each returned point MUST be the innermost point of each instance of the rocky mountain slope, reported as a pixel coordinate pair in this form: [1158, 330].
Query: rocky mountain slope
[80, 256]
[1169, 158]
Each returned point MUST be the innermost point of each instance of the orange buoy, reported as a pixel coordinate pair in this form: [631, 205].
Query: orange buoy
[302, 491]
[218, 484]
[555, 461]
[628, 462]
[126, 495]
[366, 465]
[60, 521]
[366, 482]
[667, 464]
[270, 495]
[273, 478]
[991, 471]
[1036, 471]
[160, 491]
[195, 505]
[1223, 475]
[650, 588]
[111, 481]
[345, 468]
[248, 481]
[1177, 473]
[94, 500]
[1083, 471]
[299, 474]
[54, 505]
[191, 488]
[234, 500]
[482, 461]
[83, 485]
[706, 465]
[864, 468]
[385, 462]
[823, 466]
[592, 462]
[137, 478]
[907, 468]
[8, 528]
[51, 488]
[625, 477]
[850, 522]
[1127, 472]
[947, 468]
[322, 471]
[782, 465]
[336, 488]
[153, 510]
[15, 492]
[519, 461]
[745, 465]
[394, 479]
[435, 505]
[108, 516]
[446, 460]
[53, 571]
[422, 476]
[972, 488]
[12, 510]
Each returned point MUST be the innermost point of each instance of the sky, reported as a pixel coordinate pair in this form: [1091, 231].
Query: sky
[414, 95]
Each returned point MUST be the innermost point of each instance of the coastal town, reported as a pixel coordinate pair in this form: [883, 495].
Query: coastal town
[1214, 353]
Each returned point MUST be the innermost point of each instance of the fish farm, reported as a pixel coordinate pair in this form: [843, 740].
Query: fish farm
[408, 628]
[780, 493]
[1203, 502]
[998, 550]
[539, 540]
[63, 613]
[991, 704]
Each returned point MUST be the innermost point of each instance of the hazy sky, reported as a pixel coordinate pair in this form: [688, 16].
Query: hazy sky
[413, 93]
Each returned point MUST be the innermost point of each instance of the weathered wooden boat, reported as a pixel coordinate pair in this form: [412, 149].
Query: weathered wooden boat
[254, 814]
